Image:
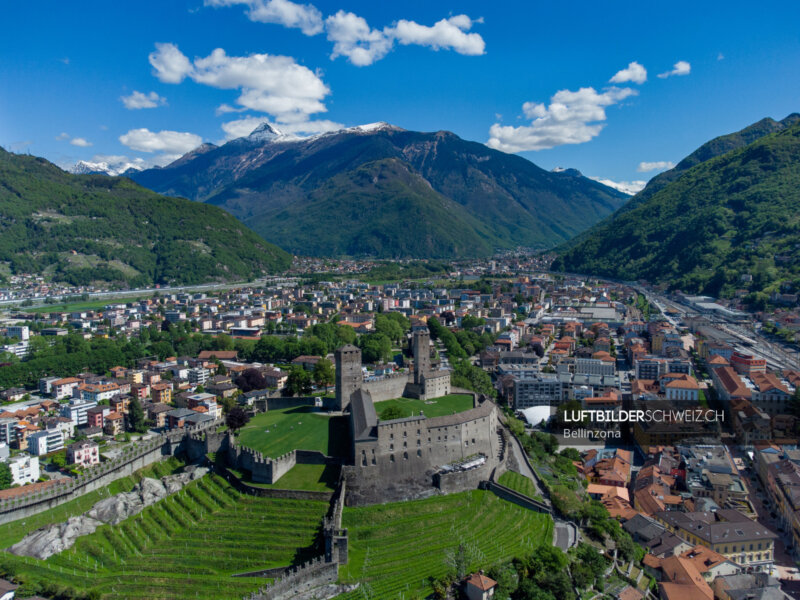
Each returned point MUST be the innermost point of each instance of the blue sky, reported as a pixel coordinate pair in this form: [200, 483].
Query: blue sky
[149, 80]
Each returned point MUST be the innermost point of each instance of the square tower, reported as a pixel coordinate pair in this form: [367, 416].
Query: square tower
[422, 355]
[348, 374]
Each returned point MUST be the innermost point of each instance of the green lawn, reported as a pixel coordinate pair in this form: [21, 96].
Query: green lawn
[519, 483]
[277, 432]
[85, 304]
[186, 546]
[12, 532]
[395, 548]
[446, 405]
[311, 478]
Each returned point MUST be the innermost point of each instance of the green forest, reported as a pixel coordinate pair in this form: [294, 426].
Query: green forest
[81, 229]
[732, 216]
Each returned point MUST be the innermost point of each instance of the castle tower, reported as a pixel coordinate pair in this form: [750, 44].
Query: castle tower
[348, 374]
[422, 355]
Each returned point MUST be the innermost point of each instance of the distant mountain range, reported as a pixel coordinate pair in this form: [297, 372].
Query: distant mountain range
[378, 190]
[726, 218]
[87, 228]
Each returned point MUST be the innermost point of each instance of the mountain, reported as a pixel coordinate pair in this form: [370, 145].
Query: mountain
[85, 228]
[387, 192]
[112, 165]
[717, 224]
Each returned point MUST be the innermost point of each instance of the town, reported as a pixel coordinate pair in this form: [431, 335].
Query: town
[573, 363]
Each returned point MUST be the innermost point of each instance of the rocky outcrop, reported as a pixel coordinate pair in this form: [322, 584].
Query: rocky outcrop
[52, 539]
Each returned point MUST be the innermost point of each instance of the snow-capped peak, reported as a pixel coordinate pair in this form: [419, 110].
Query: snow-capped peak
[264, 133]
[111, 165]
[371, 127]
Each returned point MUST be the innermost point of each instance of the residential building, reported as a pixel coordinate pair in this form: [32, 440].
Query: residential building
[114, 423]
[24, 468]
[84, 453]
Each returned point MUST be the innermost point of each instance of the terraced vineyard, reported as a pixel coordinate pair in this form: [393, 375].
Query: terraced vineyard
[186, 546]
[519, 483]
[395, 548]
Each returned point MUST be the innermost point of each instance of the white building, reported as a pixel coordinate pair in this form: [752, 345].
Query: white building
[46, 441]
[24, 468]
[76, 410]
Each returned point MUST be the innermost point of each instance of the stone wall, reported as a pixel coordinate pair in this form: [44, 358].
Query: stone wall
[387, 388]
[254, 490]
[135, 457]
[461, 481]
[298, 580]
[517, 498]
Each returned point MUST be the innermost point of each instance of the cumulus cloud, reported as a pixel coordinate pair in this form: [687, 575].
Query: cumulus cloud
[75, 141]
[245, 126]
[626, 187]
[449, 34]
[572, 117]
[170, 65]
[658, 165]
[633, 72]
[305, 17]
[276, 85]
[173, 143]
[139, 100]
[352, 37]
[679, 68]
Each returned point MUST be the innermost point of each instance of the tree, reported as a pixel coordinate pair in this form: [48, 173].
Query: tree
[391, 413]
[5, 476]
[251, 379]
[136, 420]
[299, 381]
[323, 373]
[236, 419]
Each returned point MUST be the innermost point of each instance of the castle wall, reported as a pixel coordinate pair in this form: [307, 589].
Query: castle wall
[388, 388]
[348, 374]
[436, 385]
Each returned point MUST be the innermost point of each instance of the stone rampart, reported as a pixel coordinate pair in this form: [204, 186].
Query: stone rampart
[300, 579]
[388, 387]
[517, 498]
[134, 457]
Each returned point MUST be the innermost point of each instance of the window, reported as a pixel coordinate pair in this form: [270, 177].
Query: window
[391, 446]
[391, 458]
[419, 452]
[405, 455]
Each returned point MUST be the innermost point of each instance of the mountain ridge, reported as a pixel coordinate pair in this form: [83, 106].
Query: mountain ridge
[260, 176]
[86, 228]
[728, 223]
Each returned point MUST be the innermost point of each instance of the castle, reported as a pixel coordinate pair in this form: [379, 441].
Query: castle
[424, 384]
[411, 457]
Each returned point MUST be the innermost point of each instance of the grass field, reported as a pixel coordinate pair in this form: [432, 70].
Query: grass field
[186, 546]
[277, 432]
[446, 405]
[310, 478]
[14, 531]
[85, 304]
[519, 483]
[395, 548]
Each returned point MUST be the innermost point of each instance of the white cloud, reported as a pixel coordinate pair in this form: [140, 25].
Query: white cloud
[305, 17]
[449, 34]
[658, 165]
[62, 136]
[169, 142]
[626, 187]
[276, 85]
[170, 65]
[80, 142]
[139, 100]
[679, 68]
[352, 37]
[572, 117]
[633, 72]
[244, 127]
[720, 56]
